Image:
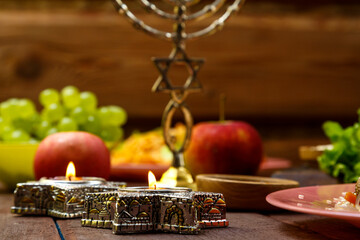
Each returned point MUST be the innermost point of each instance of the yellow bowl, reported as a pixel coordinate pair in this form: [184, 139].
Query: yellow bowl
[16, 163]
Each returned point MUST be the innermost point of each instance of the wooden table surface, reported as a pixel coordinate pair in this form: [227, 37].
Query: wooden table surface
[243, 225]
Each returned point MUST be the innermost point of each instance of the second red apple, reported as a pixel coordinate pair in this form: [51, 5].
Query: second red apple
[229, 147]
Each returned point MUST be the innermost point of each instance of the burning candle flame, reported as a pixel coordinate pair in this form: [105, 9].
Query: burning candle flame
[70, 171]
[152, 180]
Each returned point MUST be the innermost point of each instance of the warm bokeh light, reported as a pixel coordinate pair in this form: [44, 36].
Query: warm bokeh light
[152, 180]
[70, 171]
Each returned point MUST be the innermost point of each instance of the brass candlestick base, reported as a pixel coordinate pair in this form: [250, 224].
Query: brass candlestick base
[178, 177]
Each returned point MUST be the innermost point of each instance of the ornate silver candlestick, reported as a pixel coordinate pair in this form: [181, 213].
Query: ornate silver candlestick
[178, 175]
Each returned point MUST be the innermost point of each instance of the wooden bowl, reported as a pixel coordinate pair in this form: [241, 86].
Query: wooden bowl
[311, 153]
[243, 192]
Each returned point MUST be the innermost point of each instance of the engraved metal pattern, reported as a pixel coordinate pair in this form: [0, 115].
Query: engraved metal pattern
[54, 199]
[183, 212]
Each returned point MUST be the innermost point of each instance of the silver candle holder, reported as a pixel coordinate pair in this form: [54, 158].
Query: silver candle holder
[110, 205]
[59, 198]
[139, 210]
[178, 175]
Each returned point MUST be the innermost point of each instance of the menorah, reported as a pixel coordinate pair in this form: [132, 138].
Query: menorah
[178, 175]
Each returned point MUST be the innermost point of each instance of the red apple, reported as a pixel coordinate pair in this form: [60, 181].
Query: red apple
[87, 151]
[229, 147]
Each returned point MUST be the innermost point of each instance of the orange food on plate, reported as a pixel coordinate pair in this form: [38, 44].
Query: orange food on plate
[143, 148]
[350, 197]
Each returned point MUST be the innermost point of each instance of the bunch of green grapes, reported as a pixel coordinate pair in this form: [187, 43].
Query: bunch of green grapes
[68, 110]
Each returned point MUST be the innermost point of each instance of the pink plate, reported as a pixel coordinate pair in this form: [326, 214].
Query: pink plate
[314, 200]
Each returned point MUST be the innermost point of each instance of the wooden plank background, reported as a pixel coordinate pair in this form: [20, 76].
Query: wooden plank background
[268, 63]
[284, 66]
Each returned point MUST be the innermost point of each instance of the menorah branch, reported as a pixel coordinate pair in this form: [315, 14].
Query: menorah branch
[217, 24]
[139, 24]
[206, 11]
[174, 36]
[153, 8]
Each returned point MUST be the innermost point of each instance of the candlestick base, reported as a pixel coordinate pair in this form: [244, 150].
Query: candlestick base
[57, 199]
[144, 210]
[178, 177]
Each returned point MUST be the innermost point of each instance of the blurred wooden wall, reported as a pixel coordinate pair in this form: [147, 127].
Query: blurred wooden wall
[276, 61]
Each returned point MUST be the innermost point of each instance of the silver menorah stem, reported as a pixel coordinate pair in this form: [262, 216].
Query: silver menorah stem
[178, 175]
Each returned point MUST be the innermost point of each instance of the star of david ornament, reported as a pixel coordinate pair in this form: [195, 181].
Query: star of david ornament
[178, 56]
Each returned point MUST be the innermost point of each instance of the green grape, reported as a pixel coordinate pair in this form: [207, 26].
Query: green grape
[33, 141]
[5, 126]
[88, 101]
[53, 113]
[112, 116]
[9, 109]
[35, 121]
[23, 124]
[28, 124]
[17, 136]
[111, 133]
[49, 96]
[42, 129]
[67, 124]
[14, 102]
[52, 131]
[92, 124]
[7, 129]
[119, 115]
[70, 96]
[105, 116]
[2, 125]
[5, 110]
[79, 115]
[26, 108]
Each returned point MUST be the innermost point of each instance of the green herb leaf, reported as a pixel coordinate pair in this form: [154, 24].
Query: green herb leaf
[333, 130]
[343, 160]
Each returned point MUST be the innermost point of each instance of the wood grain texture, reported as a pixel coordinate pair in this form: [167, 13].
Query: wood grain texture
[300, 65]
[328, 227]
[32, 228]
[24, 227]
[6, 201]
[242, 226]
